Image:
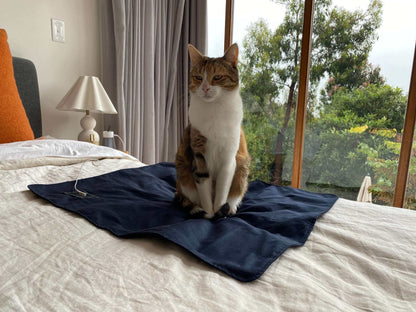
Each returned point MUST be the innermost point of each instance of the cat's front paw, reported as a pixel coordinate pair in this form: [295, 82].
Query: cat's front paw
[208, 215]
[226, 210]
[233, 210]
[198, 212]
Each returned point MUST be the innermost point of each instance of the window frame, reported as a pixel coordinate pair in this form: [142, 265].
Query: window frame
[410, 118]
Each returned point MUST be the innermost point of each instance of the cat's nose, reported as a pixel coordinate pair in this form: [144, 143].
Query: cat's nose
[205, 88]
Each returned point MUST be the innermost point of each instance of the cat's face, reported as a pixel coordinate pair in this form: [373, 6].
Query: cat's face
[210, 77]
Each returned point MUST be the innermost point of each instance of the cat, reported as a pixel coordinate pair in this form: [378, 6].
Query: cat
[212, 161]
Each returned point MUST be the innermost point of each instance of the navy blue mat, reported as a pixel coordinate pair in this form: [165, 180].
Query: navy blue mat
[138, 201]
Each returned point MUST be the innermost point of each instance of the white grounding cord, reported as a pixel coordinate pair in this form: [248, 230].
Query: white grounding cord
[79, 193]
[122, 141]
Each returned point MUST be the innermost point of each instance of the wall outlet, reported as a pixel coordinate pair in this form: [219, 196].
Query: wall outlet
[58, 30]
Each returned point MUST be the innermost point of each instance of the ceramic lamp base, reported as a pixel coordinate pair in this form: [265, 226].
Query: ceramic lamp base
[88, 134]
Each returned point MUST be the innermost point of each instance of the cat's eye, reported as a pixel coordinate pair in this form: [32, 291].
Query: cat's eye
[217, 77]
[198, 78]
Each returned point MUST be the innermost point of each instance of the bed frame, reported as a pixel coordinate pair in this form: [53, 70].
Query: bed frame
[27, 84]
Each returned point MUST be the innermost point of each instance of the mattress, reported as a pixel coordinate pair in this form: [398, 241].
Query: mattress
[359, 256]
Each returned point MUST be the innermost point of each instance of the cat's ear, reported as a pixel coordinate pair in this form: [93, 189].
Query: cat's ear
[194, 54]
[231, 55]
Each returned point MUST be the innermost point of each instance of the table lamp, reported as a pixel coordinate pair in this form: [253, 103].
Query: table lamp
[87, 94]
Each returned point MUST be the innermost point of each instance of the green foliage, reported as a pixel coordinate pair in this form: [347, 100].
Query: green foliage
[269, 66]
[257, 75]
[338, 160]
[355, 127]
[340, 149]
[378, 106]
[260, 130]
[341, 41]
[341, 44]
[339, 157]
[385, 172]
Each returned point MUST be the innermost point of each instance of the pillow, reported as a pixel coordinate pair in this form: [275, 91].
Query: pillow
[14, 124]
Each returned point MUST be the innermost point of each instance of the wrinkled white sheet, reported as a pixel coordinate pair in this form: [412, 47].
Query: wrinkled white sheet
[359, 257]
[57, 148]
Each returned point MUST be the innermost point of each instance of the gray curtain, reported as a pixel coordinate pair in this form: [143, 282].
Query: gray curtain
[145, 70]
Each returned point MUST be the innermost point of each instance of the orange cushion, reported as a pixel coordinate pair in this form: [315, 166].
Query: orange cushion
[14, 125]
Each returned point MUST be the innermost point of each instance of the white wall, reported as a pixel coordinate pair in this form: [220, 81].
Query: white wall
[28, 25]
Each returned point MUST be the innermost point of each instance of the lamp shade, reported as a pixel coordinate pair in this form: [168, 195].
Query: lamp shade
[87, 94]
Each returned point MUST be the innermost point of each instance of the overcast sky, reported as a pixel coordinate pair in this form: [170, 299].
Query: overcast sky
[393, 51]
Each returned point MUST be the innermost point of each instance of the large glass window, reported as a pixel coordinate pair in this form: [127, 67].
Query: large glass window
[360, 71]
[269, 36]
[361, 60]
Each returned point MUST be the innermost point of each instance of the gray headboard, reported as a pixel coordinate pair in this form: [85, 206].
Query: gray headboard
[27, 84]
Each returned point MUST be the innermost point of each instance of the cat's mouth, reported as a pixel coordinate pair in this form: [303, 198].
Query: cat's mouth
[209, 96]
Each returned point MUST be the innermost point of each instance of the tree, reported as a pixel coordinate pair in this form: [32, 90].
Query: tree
[341, 42]
[384, 173]
[378, 106]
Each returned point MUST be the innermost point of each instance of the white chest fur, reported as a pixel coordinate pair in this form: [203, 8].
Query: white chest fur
[219, 121]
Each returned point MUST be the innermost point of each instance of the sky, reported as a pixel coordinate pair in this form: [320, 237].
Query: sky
[393, 51]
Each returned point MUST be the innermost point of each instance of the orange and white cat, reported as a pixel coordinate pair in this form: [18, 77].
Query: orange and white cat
[212, 162]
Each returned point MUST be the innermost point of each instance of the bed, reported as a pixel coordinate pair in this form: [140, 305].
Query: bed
[358, 257]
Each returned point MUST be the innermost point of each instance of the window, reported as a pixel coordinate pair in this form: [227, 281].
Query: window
[216, 26]
[360, 66]
[268, 86]
[355, 121]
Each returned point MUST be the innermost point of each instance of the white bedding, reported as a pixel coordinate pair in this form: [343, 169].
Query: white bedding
[359, 257]
[56, 148]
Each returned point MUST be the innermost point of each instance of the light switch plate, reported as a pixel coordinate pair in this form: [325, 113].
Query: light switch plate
[58, 30]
